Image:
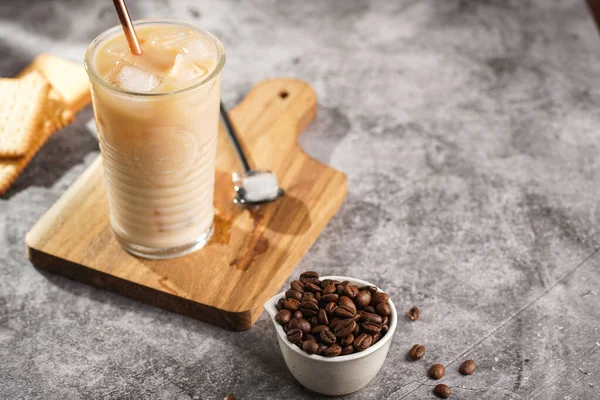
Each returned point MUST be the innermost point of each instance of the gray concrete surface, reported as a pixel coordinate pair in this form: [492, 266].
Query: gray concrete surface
[470, 133]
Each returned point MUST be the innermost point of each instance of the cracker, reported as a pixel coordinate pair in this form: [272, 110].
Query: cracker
[22, 103]
[69, 79]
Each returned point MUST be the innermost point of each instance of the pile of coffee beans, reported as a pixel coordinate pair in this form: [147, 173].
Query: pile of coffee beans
[331, 318]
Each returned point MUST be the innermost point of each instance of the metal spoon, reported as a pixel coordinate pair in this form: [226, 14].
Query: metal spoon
[252, 186]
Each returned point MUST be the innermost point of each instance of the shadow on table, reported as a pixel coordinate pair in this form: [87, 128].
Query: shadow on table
[65, 149]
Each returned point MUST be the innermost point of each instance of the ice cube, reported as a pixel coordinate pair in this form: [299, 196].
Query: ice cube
[132, 78]
[185, 69]
[176, 39]
[201, 50]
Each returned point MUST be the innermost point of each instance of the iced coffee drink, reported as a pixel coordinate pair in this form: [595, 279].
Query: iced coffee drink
[157, 116]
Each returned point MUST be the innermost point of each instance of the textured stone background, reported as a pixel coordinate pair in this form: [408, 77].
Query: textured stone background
[470, 133]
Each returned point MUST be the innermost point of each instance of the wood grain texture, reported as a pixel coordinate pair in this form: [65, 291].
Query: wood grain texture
[254, 249]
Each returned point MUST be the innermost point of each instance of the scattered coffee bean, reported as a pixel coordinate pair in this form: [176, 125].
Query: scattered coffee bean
[413, 313]
[327, 337]
[300, 323]
[310, 346]
[291, 304]
[442, 391]
[293, 294]
[362, 299]
[363, 342]
[347, 340]
[416, 352]
[467, 367]
[333, 350]
[345, 327]
[437, 371]
[283, 317]
[322, 317]
[294, 335]
[332, 318]
[309, 277]
[383, 309]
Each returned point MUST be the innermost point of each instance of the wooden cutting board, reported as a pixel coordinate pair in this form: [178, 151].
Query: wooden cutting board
[254, 248]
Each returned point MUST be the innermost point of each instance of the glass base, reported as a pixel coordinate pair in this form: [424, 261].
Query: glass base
[162, 253]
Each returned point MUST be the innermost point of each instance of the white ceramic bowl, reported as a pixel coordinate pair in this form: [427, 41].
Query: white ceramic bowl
[333, 376]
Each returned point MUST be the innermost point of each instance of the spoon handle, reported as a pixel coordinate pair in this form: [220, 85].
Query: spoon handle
[233, 137]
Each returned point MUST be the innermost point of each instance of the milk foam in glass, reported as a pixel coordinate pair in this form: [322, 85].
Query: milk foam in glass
[157, 116]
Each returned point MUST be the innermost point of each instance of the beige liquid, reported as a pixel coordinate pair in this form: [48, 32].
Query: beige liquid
[159, 151]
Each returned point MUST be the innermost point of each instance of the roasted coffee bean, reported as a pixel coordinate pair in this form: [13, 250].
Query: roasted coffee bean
[416, 352]
[363, 342]
[280, 304]
[344, 312]
[294, 335]
[309, 276]
[322, 317]
[330, 297]
[347, 350]
[356, 330]
[437, 371]
[312, 287]
[347, 340]
[379, 298]
[386, 321]
[324, 283]
[286, 328]
[442, 391]
[384, 329]
[297, 285]
[413, 313]
[350, 290]
[329, 289]
[370, 327]
[229, 397]
[340, 289]
[383, 309]
[362, 299]
[310, 337]
[371, 289]
[298, 314]
[327, 336]
[308, 308]
[369, 309]
[345, 327]
[317, 329]
[314, 320]
[330, 308]
[283, 317]
[309, 346]
[293, 294]
[311, 299]
[346, 301]
[334, 321]
[318, 296]
[335, 282]
[322, 348]
[291, 304]
[333, 350]
[376, 338]
[300, 323]
[467, 367]
[371, 317]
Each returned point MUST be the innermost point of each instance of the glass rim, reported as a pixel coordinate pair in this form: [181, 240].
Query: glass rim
[95, 78]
